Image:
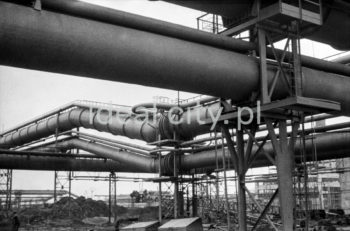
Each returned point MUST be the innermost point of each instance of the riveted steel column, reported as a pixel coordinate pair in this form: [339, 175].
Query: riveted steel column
[284, 164]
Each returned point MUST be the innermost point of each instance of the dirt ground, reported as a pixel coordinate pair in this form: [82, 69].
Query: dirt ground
[79, 214]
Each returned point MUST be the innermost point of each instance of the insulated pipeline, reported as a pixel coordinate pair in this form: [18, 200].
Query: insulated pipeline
[331, 145]
[65, 44]
[55, 163]
[327, 146]
[136, 162]
[120, 18]
[117, 124]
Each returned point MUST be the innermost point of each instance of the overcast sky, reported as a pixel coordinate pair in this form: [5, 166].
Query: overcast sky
[25, 93]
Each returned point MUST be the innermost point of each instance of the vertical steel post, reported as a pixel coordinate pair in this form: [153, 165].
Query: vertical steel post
[109, 198]
[115, 197]
[176, 182]
[160, 182]
[9, 190]
[56, 175]
[305, 172]
[264, 87]
[70, 184]
[194, 198]
[242, 203]
[217, 175]
[227, 205]
[242, 206]
[69, 190]
[297, 62]
[213, 23]
[176, 187]
[198, 24]
[284, 164]
[238, 160]
[55, 187]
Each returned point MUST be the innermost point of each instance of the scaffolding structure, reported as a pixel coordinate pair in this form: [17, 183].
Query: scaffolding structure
[292, 186]
[267, 24]
[6, 190]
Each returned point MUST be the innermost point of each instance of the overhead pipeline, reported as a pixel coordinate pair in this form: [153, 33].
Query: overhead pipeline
[56, 163]
[326, 146]
[120, 18]
[92, 105]
[136, 162]
[128, 125]
[65, 44]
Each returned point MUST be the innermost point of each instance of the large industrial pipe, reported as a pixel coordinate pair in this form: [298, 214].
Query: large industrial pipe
[120, 18]
[145, 128]
[64, 44]
[56, 163]
[327, 146]
[78, 103]
[80, 117]
[135, 161]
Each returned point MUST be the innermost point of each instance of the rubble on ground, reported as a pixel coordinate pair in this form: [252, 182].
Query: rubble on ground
[67, 208]
[71, 211]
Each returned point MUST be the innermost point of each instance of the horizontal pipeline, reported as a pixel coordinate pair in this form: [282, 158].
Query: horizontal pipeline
[55, 163]
[264, 128]
[331, 145]
[124, 125]
[82, 47]
[138, 163]
[328, 146]
[334, 127]
[120, 18]
[78, 103]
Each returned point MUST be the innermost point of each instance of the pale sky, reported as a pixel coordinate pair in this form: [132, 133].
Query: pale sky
[25, 94]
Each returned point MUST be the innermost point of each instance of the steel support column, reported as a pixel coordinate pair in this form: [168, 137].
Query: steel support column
[264, 87]
[176, 188]
[239, 161]
[284, 163]
[112, 197]
[55, 187]
[160, 183]
[227, 204]
[194, 198]
[242, 200]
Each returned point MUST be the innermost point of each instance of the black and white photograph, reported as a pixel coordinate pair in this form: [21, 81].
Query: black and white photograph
[174, 115]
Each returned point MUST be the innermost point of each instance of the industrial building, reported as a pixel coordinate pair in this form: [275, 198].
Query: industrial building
[263, 145]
